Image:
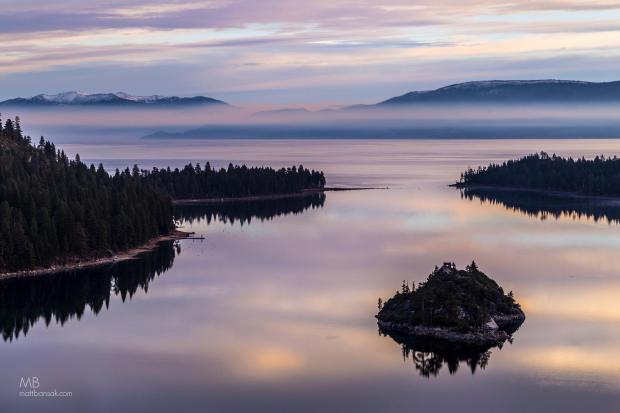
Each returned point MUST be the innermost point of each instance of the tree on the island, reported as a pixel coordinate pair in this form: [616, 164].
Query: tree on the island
[405, 287]
[472, 267]
[379, 303]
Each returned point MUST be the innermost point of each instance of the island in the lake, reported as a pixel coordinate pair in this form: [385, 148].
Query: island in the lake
[599, 176]
[454, 306]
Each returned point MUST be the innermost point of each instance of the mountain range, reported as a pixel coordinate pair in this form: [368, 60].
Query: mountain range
[109, 99]
[483, 92]
[514, 91]
[387, 120]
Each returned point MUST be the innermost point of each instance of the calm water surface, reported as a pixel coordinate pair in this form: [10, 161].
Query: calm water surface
[273, 311]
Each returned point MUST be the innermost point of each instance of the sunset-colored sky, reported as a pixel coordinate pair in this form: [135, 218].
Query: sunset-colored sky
[299, 52]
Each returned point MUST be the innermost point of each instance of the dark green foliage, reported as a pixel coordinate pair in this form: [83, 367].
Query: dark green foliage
[53, 210]
[450, 298]
[235, 181]
[598, 176]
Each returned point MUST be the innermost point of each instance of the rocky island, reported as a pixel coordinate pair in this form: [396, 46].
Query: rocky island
[463, 307]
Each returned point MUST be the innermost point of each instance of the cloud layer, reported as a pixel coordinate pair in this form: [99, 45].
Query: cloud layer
[282, 51]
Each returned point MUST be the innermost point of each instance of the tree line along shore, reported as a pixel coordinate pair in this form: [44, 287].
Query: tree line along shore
[599, 176]
[56, 211]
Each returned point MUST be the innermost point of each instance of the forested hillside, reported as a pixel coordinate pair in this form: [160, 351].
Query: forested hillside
[53, 210]
[235, 181]
[598, 176]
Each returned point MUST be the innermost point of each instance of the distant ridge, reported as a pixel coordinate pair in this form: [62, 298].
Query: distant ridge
[285, 111]
[109, 99]
[515, 91]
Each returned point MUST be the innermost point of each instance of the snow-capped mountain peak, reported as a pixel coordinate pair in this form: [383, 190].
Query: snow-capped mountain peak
[151, 98]
[498, 83]
[64, 97]
[118, 98]
[83, 97]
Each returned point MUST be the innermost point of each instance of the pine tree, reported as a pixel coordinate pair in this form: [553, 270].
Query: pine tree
[18, 128]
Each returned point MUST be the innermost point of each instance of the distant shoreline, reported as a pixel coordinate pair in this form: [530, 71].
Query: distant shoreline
[305, 192]
[129, 254]
[566, 194]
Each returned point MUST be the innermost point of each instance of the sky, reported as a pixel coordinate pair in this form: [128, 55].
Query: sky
[291, 52]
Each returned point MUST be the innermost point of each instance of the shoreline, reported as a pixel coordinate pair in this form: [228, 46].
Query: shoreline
[133, 253]
[565, 194]
[126, 255]
[305, 192]
[483, 336]
[479, 337]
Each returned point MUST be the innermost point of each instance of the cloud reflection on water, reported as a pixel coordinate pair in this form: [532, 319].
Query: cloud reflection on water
[283, 309]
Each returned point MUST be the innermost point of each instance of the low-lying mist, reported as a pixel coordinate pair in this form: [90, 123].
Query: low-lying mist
[102, 124]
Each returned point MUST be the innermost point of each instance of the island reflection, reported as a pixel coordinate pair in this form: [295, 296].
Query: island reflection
[544, 205]
[429, 355]
[63, 296]
[245, 211]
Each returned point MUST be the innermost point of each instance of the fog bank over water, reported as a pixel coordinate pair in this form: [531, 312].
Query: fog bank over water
[117, 125]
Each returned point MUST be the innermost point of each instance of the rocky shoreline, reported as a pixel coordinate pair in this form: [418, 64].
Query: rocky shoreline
[484, 337]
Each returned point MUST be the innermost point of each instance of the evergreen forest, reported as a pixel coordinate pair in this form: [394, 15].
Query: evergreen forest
[597, 176]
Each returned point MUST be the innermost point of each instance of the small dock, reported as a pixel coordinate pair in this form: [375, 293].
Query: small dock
[192, 235]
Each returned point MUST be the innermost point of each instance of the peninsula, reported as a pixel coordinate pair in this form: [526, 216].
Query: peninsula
[599, 176]
[59, 214]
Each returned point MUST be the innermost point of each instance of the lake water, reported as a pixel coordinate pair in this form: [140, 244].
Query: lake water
[274, 310]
